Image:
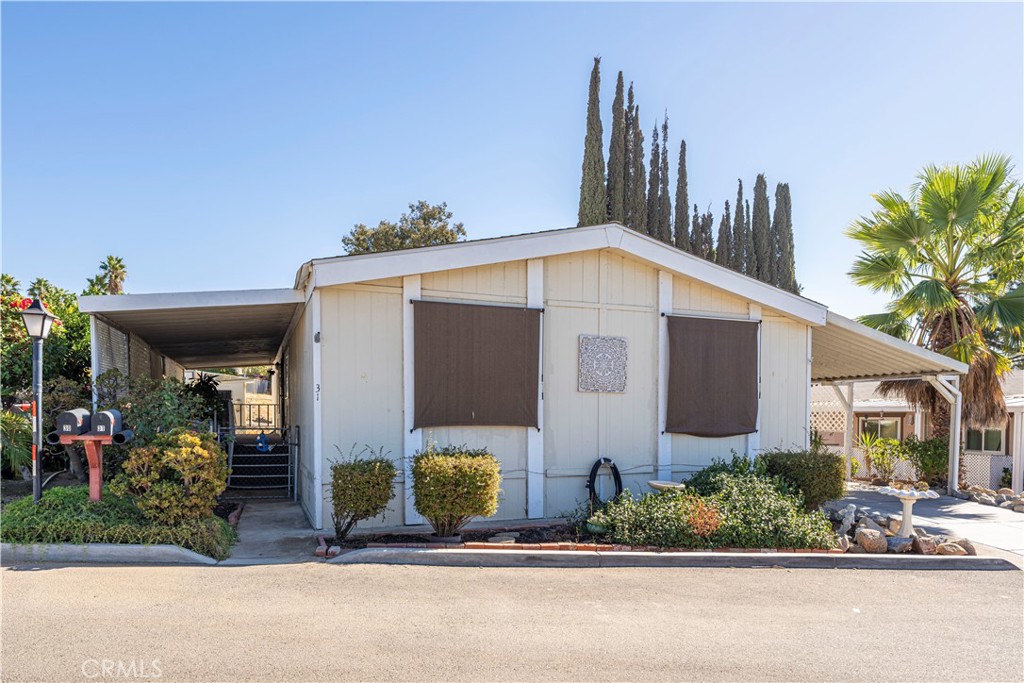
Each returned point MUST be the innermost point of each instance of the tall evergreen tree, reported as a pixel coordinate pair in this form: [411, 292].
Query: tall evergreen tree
[654, 187]
[723, 252]
[636, 208]
[786, 266]
[739, 243]
[682, 226]
[761, 226]
[617, 173]
[627, 187]
[774, 243]
[751, 255]
[664, 196]
[593, 198]
[696, 247]
[707, 227]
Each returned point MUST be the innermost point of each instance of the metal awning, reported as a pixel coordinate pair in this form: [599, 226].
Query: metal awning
[844, 351]
[204, 329]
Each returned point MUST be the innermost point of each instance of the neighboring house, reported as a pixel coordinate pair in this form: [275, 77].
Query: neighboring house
[988, 449]
[551, 349]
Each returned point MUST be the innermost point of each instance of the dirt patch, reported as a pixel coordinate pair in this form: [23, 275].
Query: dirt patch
[560, 533]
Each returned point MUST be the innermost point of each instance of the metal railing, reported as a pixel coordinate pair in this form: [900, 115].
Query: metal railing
[248, 416]
[261, 473]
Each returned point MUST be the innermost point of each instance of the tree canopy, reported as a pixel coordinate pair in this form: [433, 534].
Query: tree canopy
[425, 225]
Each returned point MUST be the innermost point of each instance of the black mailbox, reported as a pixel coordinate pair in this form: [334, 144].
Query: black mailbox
[106, 423]
[74, 422]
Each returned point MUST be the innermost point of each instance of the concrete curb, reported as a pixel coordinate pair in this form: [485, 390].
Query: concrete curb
[100, 553]
[594, 559]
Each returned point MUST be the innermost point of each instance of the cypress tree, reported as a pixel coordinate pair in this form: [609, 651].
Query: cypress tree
[617, 173]
[761, 225]
[774, 243]
[723, 252]
[695, 237]
[627, 186]
[707, 227]
[786, 265]
[664, 198]
[593, 200]
[739, 248]
[750, 258]
[636, 209]
[682, 203]
[654, 186]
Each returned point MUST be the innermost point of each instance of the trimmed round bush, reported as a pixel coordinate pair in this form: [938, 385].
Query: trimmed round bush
[360, 489]
[668, 520]
[453, 485]
[818, 475]
[176, 478]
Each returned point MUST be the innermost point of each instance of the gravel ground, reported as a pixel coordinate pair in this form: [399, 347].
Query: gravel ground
[320, 622]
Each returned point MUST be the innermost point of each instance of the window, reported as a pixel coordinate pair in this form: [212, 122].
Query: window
[882, 427]
[987, 440]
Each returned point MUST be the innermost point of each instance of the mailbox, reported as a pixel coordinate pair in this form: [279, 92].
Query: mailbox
[74, 422]
[106, 423]
[123, 437]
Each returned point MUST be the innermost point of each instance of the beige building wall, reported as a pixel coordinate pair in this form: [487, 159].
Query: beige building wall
[300, 406]
[593, 292]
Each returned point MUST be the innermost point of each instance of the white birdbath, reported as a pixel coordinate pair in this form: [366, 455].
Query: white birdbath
[666, 485]
[909, 498]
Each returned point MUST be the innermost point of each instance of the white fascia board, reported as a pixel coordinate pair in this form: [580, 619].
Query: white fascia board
[147, 302]
[936, 361]
[349, 269]
[670, 258]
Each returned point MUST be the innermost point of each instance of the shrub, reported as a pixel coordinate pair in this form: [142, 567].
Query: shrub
[930, 458]
[176, 478]
[150, 407]
[705, 482]
[15, 442]
[669, 520]
[884, 455]
[755, 514]
[454, 484]
[819, 476]
[1006, 479]
[360, 488]
[66, 515]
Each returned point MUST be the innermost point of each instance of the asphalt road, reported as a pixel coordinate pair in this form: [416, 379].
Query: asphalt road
[319, 622]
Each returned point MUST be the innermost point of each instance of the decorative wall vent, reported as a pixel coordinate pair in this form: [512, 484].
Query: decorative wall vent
[602, 364]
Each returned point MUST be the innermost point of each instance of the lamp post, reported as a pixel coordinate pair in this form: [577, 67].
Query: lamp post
[38, 321]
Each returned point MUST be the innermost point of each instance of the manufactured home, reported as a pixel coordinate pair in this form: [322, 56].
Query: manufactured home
[551, 349]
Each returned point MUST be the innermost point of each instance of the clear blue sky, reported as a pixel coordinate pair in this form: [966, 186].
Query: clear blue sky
[218, 146]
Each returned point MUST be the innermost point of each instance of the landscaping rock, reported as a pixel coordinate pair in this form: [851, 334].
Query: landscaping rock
[950, 549]
[872, 540]
[966, 545]
[844, 543]
[893, 523]
[962, 495]
[856, 549]
[1001, 498]
[847, 520]
[1019, 507]
[899, 544]
[976, 489]
[501, 539]
[868, 523]
[1005, 491]
[986, 499]
[334, 551]
[1008, 504]
[924, 546]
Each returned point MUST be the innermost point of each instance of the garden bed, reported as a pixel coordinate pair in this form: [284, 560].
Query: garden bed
[66, 515]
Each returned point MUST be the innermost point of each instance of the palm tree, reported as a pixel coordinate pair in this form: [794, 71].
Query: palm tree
[38, 288]
[96, 285]
[950, 254]
[114, 271]
[9, 286]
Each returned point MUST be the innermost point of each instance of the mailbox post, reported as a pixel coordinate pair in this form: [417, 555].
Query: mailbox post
[93, 432]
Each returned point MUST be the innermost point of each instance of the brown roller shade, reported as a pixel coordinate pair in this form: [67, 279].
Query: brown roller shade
[475, 364]
[712, 377]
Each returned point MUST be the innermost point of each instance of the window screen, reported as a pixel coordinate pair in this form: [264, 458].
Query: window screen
[882, 427]
[475, 364]
[712, 379]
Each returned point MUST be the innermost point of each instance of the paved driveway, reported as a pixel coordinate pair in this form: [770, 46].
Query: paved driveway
[992, 526]
[321, 622]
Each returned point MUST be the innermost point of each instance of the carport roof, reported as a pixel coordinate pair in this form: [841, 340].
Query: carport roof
[204, 329]
[844, 350]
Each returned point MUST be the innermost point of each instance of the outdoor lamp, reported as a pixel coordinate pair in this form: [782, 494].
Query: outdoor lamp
[38, 320]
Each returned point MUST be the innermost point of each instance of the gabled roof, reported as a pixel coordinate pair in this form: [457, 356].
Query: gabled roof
[339, 270]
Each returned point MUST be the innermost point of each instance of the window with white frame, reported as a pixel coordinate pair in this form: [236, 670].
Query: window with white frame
[882, 427]
[986, 440]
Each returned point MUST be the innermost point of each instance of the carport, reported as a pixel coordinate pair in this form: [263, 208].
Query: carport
[845, 352]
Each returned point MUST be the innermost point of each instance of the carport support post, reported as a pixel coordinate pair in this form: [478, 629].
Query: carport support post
[954, 437]
[847, 403]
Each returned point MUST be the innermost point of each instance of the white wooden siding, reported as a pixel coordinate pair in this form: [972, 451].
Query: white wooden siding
[300, 406]
[784, 382]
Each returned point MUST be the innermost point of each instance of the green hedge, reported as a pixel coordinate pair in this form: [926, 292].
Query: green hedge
[819, 476]
[668, 520]
[930, 458]
[360, 489]
[454, 484]
[66, 515]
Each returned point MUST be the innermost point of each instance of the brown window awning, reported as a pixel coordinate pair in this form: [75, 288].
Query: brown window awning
[712, 377]
[475, 364]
